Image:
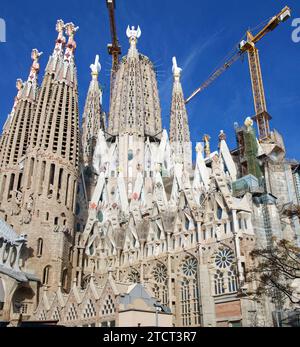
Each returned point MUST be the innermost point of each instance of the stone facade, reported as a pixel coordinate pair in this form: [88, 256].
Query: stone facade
[124, 222]
[103, 304]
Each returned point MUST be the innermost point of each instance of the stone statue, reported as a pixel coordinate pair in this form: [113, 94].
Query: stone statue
[16, 203]
[71, 45]
[27, 216]
[19, 84]
[100, 154]
[35, 68]
[206, 139]
[133, 35]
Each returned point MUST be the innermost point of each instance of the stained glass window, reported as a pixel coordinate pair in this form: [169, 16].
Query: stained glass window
[224, 258]
[189, 293]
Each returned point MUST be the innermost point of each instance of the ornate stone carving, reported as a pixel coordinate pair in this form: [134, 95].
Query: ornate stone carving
[168, 219]
[27, 215]
[143, 229]
[16, 203]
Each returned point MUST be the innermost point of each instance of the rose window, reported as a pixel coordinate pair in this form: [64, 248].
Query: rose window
[160, 273]
[189, 267]
[134, 277]
[224, 258]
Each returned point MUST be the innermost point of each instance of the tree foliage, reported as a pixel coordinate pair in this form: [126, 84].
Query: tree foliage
[274, 270]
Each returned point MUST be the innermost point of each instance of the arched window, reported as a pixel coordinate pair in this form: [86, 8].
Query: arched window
[2, 186]
[189, 292]
[185, 303]
[64, 280]
[11, 185]
[39, 252]
[240, 223]
[134, 276]
[219, 212]
[187, 223]
[219, 283]
[160, 287]
[232, 280]
[46, 275]
[225, 279]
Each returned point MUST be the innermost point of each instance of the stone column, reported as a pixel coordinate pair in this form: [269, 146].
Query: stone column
[237, 248]
[207, 301]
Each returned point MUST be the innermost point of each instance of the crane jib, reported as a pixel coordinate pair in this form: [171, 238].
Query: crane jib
[248, 46]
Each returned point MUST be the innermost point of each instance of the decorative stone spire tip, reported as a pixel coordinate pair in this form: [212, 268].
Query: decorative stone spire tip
[222, 136]
[61, 40]
[133, 35]
[19, 84]
[176, 69]
[206, 139]
[71, 45]
[248, 122]
[35, 54]
[96, 67]
[71, 29]
[35, 68]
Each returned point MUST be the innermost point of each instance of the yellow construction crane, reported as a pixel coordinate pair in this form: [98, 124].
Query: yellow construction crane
[261, 115]
[114, 48]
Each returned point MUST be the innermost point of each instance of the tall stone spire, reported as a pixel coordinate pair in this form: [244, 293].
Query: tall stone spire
[55, 64]
[133, 36]
[45, 203]
[17, 130]
[179, 126]
[57, 129]
[56, 59]
[93, 116]
[135, 105]
[6, 127]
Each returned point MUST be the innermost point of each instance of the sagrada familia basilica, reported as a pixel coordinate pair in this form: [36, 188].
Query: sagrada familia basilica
[112, 223]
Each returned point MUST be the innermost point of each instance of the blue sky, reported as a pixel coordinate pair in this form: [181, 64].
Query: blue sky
[199, 33]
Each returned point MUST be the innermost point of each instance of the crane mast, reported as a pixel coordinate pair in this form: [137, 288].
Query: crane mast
[261, 117]
[114, 48]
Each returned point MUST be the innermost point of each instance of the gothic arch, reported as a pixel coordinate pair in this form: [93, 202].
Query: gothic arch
[223, 271]
[22, 300]
[133, 276]
[159, 282]
[188, 291]
[65, 280]
[47, 273]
